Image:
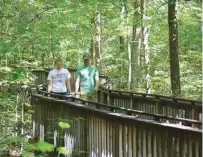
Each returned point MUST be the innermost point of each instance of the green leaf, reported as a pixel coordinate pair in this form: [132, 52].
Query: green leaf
[18, 73]
[30, 147]
[44, 146]
[28, 154]
[64, 125]
[62, 150]
[16, 139]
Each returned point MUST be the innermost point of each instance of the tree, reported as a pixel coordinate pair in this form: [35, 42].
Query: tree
[136, 46]
[145, 46]
[173, 47]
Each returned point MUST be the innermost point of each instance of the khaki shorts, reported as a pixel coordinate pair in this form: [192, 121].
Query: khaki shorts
[90, 97]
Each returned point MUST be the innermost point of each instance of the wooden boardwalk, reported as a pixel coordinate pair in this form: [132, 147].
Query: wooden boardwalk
[120, 124]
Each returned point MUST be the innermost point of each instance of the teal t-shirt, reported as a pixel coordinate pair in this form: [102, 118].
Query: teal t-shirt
[87, 75]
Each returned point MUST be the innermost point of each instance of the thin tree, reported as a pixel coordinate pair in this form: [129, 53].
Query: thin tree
[173, 47]
[136, 46]
[145, 46]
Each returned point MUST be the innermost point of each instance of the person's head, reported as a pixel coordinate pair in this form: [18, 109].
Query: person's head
[58, 64]
[86, 59]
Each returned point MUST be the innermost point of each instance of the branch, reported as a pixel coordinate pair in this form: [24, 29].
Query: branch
[38, 15]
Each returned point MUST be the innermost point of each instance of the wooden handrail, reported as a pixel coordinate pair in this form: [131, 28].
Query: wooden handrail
[127, 111]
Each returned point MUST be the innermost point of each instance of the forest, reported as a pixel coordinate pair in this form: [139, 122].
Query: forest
[144, 46]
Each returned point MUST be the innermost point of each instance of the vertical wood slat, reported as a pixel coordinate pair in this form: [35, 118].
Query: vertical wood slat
[120, 141]
[129, 141]
[149, 146]
[134, 141]
[155, 143]
[159, 143]
[139, 147]
[41, 116]
[116, 139]
[124, 141]
[108, 138]
[144, 143]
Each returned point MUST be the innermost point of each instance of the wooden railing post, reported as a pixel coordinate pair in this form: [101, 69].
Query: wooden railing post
[110, 98]
[159, 108]
[195, 116]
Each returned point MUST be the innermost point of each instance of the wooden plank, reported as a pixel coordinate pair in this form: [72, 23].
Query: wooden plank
[139, 137]
[113, 139]
[92, 136]
[104, 138]
[120, 141]
[155, 143]
[96, 137]
[177, 143]
[197, 147]
[129, 151]
[149, 143]
[110, 138]
[116, 139]
[159, 143]
[144, 145]
[134, 141]
[124, 141]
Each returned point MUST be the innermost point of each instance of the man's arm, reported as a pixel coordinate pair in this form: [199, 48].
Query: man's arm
[68, 86]
[49, 78]
[49, 86]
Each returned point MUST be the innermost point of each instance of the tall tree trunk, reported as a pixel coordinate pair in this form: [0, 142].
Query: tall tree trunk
[92, 46]
[95, 47]
[98, 34]
[135, 47]
[122, 20]
[145, 47]
[173, 47]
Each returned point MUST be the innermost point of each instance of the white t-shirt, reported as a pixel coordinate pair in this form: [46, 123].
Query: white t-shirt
[59, 78]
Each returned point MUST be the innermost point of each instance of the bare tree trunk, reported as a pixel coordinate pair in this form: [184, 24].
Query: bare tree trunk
[98, 35]
[145, 36]
[173, 47]
[129, 64]
[95, 47]
[135, 47]
[122, 20]
[92, 47]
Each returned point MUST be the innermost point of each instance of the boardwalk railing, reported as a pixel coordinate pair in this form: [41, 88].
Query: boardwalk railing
[154, 104]
[150, 103]
[97, 130]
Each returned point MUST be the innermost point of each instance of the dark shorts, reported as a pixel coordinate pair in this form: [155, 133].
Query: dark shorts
[59, 95]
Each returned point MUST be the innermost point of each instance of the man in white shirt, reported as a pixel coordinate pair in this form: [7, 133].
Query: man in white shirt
[59, 80]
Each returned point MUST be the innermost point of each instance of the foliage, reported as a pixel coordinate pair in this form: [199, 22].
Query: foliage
[39, 146]
[34, 33]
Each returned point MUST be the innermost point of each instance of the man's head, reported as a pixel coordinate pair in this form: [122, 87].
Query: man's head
[86, 59]
[58, 64]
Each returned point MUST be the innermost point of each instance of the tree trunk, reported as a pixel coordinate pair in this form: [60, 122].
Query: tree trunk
[122, 20]
[145, 47]
[98, 35]
[173, 47]
[135, 47]
[95, 47]
[92, 46]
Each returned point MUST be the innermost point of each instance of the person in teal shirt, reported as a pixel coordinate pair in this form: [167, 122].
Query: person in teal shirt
[87, 80]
